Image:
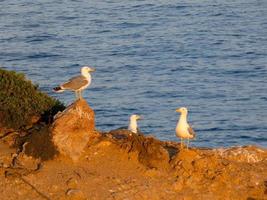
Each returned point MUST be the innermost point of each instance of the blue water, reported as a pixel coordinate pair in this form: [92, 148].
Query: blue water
[151, 58]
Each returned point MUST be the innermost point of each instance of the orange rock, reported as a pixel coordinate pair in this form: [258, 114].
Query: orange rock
[149, 150]
[27, 162]
[248, 154]
[73, 128]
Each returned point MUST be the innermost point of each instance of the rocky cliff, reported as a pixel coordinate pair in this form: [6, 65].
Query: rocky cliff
[69, 159]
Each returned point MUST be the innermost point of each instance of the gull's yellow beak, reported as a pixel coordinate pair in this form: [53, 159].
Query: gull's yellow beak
[140, 117]
[178, 110]
[92, 69]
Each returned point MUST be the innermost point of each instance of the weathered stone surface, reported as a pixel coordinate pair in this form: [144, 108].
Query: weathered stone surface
[6, 155]
[128, 166]
[125, 165]
[219, 170]
[73, 128]
[22, 160]
[10, 138]
[150, 151]
[38, 143]
[27, 162]
[249, 154]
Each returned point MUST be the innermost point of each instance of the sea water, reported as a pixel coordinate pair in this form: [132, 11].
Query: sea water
[151, 57]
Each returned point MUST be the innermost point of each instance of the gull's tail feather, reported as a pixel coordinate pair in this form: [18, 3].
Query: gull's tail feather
[58, 89]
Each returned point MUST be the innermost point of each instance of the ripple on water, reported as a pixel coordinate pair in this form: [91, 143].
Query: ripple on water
[151, 57]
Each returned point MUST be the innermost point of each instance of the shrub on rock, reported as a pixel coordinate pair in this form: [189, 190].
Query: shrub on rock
[21, 103]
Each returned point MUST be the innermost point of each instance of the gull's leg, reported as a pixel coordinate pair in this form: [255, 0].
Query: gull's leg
[187, 142]
[76, 94]
[181, 143]
[81, 92]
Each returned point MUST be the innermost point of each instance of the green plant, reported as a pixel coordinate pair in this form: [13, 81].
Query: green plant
[21, 101]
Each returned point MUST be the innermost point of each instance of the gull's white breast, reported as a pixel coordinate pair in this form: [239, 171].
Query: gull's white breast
[182, 130]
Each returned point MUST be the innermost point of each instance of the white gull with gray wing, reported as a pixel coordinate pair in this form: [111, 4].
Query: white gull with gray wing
[78, 83]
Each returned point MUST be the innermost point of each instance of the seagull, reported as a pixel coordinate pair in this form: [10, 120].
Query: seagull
[133, 123]
[78, 83]
[183, 129]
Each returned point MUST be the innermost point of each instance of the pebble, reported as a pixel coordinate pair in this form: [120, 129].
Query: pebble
[75, 194]
[111, 191]
[72, 183]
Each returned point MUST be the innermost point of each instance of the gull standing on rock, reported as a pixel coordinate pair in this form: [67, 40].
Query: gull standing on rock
[133, 123]
[78, 83]
[183, 129]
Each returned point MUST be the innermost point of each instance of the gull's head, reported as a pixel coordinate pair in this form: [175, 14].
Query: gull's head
[135, 117]
[87, 69]
[182, 110]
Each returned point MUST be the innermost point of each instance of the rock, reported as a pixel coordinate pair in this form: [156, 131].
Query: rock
[27, 162]
[6, 155]
[75, 194]
[73, 128]
[72, 183]
[178, 185]
[4, 130]
[150, 151]
[185, 160]
[248, 154]
[38, 143]
[10, 138]
[153, 154]
[152, 173]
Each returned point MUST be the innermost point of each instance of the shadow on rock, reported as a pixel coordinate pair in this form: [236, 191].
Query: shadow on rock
[39, 145]
[150, 151]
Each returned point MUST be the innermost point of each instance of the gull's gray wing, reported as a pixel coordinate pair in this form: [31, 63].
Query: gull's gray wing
[75, 83]
[191, 131]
